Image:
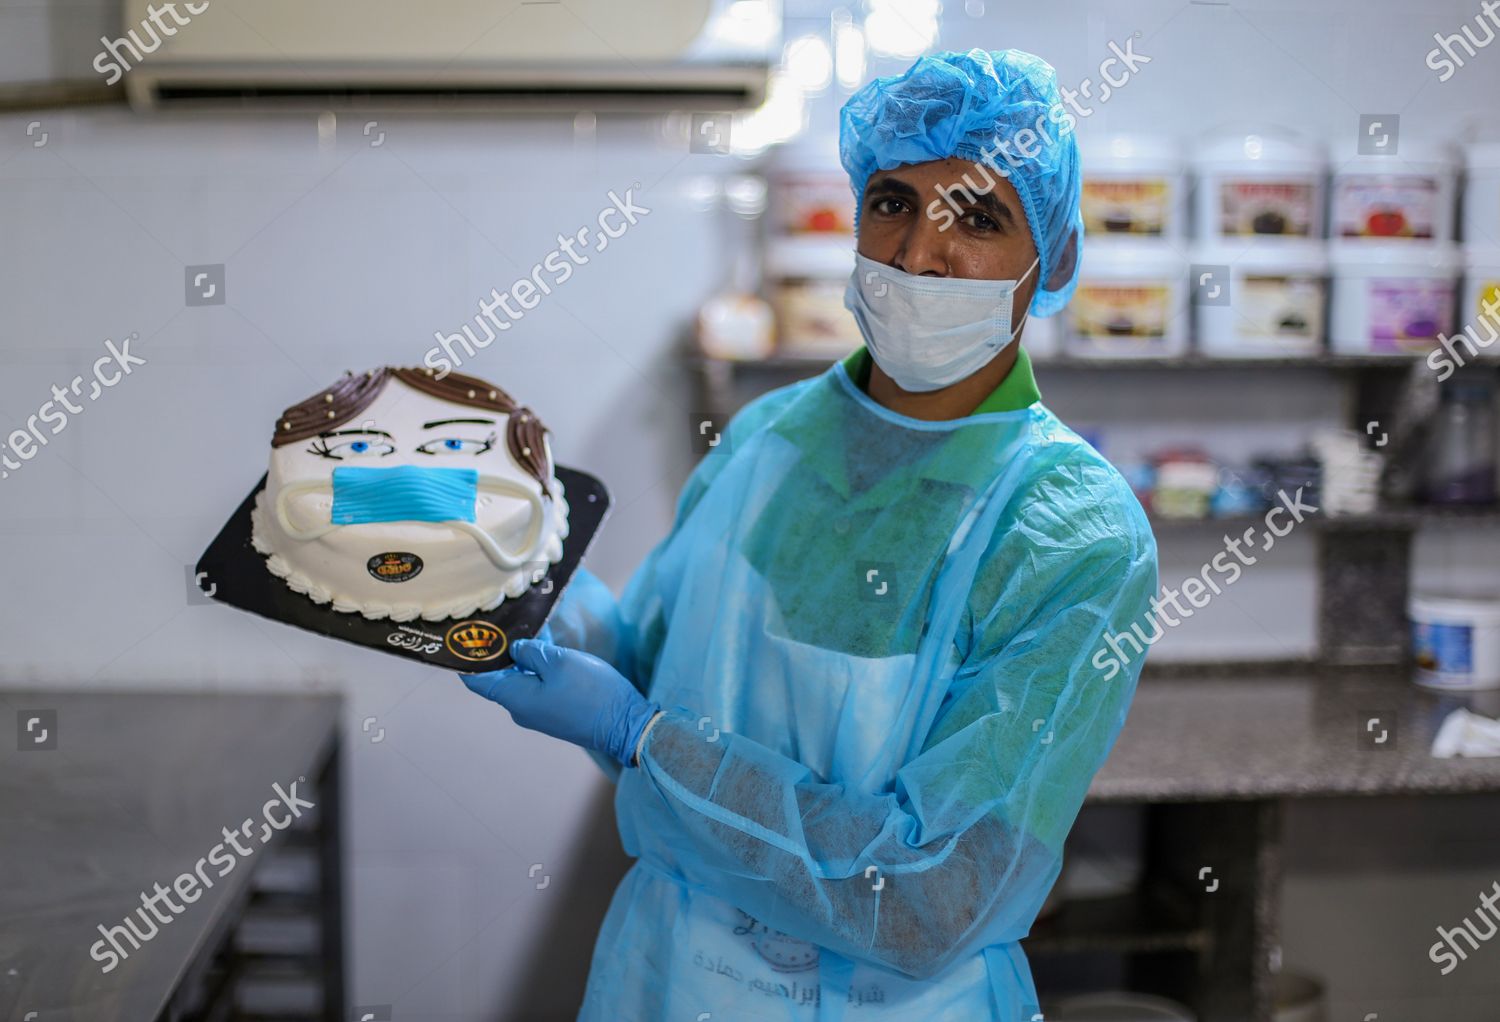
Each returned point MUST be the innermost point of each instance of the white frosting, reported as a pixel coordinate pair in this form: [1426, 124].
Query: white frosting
[463, 569]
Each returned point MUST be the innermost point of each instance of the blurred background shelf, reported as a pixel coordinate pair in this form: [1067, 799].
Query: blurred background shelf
[1137, 922]
[1395, 518]
[792, 362]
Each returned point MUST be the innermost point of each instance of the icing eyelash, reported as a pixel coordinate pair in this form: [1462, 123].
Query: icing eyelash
[320, 448]
[487, 444]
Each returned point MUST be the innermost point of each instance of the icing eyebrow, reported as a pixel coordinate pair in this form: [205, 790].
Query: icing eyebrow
[457, 422]
[357, 432]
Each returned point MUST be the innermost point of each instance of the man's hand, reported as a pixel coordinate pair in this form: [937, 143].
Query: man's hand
[569, 694]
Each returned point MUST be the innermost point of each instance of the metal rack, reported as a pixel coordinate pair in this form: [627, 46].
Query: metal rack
[276, 954]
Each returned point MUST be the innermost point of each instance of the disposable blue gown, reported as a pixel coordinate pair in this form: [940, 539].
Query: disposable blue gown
[882, 646]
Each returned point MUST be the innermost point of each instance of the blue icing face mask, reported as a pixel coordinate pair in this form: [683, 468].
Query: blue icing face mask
[414, 493]
[404, 493]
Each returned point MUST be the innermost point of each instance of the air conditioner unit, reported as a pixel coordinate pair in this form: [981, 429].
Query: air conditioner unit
[508, 54]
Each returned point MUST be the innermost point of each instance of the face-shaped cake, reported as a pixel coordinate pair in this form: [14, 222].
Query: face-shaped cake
[398, 495]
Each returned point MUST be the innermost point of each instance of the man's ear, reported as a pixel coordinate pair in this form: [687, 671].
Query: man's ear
[1067, 262]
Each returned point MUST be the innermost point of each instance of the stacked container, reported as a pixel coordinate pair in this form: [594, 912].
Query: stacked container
[1132, 288]
[1481, 227]
[809, 251]
[1392, 298]
[807, 279]
[1395, 266]
[1259, 226]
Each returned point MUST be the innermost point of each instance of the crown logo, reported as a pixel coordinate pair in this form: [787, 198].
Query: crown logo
[475, 637]
[475, 640]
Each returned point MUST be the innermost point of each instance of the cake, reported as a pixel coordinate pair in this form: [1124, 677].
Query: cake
[397, 494]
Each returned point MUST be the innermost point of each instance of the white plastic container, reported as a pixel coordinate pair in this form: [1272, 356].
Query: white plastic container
[1406, 197]
[1120, 1007]
[736, 327]
[805, 280]
[1296, 997]
[1259, 185]
[1456, 641]
[1277, 299]
[1131, 302]
[1391, 297]
[1481, 286]
[810, 190]
[1042, 336]
[1134, 186]
[1482, 194]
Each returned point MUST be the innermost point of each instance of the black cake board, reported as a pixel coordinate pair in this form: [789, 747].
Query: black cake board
[232, 571]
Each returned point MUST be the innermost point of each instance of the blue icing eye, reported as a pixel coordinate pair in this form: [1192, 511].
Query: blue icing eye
[454, 445]
[360, 446]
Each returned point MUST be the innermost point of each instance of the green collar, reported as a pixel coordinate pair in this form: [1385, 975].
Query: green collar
[951, 459]
[1016, 391]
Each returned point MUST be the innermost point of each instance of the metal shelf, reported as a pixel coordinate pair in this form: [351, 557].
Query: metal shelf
[1413, 517]
[1134, 923]
[1330, 363]
[787, 362]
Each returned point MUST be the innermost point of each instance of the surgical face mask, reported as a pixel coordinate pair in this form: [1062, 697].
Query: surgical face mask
[928, 332]
[412, 493]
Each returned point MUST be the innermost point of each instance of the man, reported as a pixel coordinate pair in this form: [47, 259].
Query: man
[849, 699]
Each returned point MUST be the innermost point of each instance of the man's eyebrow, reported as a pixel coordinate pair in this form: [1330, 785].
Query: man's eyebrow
[356, 432]
[457, 422]
[984, 200]
[891, 186]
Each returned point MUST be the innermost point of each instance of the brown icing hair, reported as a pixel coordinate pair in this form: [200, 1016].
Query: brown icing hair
[339, 404]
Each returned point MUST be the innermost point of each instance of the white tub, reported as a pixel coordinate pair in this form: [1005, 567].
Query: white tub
[1134, 186]
[1121, 1007]
[1131, 302]
[1277, 296]
[1456, 641]
[1406, 197]
[1481, 224]
[1042, 336]
[1481, 286]
[810, 192]
[805, 280]
[1259, 185]
[1391, 298]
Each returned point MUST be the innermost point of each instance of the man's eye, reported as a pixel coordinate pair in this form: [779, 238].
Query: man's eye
[981, 221]
[889, 207]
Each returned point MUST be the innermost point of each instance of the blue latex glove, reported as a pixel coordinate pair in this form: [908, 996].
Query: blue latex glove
[569, 694]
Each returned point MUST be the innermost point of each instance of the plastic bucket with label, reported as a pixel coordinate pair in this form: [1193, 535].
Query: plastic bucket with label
[1134, 186]
[1481, 294]
[1456, 641]
[1273, 303]
[810, 191]
[1405, 197]
[1481, 224]
[1131, 302]
[806, 277]
[1261, 185]
[1391, 298]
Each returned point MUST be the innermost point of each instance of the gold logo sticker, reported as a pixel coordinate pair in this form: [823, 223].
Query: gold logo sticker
[475, 640]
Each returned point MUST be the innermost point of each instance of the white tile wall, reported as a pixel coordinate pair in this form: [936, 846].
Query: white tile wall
[341, 255]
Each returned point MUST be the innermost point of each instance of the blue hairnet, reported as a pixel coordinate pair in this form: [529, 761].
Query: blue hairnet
[963, 104]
